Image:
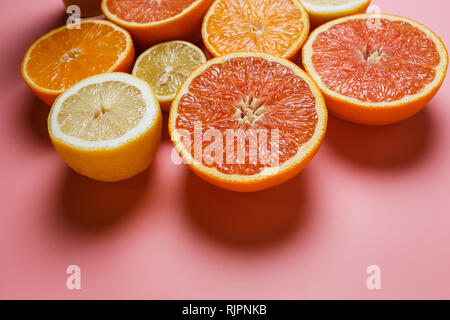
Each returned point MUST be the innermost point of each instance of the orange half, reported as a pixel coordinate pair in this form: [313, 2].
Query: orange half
[154, 21]
[74, 52]
[277, 27]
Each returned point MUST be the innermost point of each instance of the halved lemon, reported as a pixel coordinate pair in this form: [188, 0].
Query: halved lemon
[165, 67]
[106, 127]
[321, 11]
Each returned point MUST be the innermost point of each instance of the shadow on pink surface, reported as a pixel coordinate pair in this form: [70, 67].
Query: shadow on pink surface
[95, 207]
[386, 147]
[35, 117]
[165, 136]
[248, 220]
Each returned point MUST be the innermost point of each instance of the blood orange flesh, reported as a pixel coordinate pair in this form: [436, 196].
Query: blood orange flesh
[377, 60]
[147, 11]
[245, 93]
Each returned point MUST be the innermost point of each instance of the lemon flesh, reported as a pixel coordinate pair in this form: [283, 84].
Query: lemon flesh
[101, 112]
[165, 67]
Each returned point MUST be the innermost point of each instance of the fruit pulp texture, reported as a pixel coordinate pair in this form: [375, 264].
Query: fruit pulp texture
[375, 60]
[100, 112]
[249, 93]
[71, 55]
[147, 11]
[168, 65]
[270, 26]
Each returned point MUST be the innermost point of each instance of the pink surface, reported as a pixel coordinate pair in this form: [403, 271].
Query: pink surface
[371, 196]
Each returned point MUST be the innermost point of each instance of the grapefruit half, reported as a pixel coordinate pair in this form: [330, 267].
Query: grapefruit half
[248, 121]
[375, 69]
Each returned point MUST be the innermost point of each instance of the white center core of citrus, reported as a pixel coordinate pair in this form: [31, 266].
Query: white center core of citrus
[250, 109]
[372, 54]
[257, 28]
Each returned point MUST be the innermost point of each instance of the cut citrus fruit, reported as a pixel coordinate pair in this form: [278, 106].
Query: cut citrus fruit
[74, 52]
[165, 66]
[106, 127]
[153, 21]
[321, 11]
[277, 27]
[248, 121]
[375, 69]
[88, 8]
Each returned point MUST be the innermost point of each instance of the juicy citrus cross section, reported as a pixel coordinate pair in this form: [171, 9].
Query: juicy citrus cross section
[375, 69]
[321, 11]
[71, 53]
[106, 127]
[165, 66]
[248, 121]
[153, 21]
[277, 27]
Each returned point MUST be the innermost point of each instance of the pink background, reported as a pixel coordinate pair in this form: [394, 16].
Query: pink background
[371, 196]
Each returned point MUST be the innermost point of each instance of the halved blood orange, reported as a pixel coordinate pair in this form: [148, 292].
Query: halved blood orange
[153, 21]
[375, 69]
[66, 55]
[248, 121]
[276, 27]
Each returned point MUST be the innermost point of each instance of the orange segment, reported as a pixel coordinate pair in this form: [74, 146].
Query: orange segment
[154, 21]
[254, 94]
[65, 56]
[277, 27]
[376, 69]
